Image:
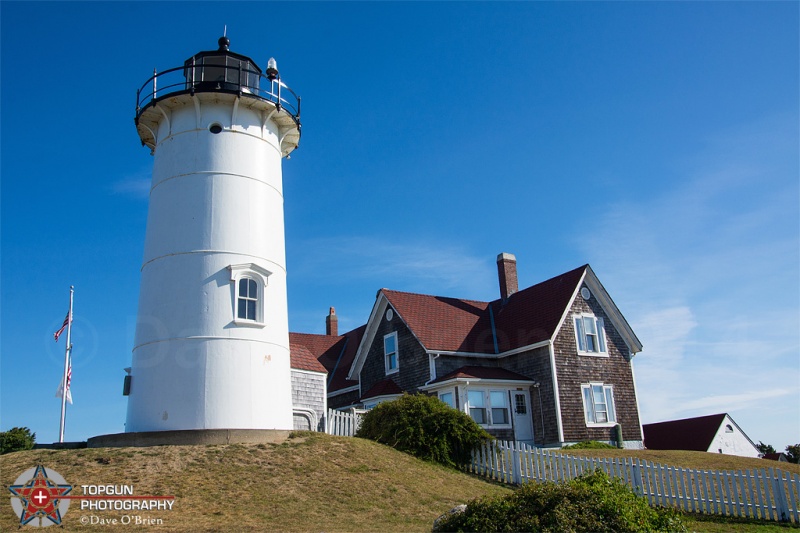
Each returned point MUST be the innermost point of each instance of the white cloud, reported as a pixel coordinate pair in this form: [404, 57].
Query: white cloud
[413, 266]
[134, 186]
[708, 274]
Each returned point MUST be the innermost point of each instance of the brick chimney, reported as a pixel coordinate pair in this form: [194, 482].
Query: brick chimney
[332, 323]
[507, 275]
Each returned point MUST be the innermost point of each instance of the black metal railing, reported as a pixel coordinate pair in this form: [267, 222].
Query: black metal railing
[237, 79]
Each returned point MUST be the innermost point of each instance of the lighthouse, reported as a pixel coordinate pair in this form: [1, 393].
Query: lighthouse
[211, 348]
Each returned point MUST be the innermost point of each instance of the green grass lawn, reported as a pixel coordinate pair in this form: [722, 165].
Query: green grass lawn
[313, 482]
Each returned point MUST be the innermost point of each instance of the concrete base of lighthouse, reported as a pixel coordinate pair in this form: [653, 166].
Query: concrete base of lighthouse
[187, 437]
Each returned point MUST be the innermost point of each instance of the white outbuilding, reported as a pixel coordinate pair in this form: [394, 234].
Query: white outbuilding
[712, 433]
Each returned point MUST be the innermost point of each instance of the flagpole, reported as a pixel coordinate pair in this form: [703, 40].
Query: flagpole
[66, 367]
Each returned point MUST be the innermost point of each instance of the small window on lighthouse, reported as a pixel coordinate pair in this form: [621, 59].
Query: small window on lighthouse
[249, 285]
[248, 299]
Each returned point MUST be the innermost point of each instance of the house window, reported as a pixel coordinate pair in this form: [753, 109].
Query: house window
[520, 407]
[247, 301]
[598, 404]
[489, 408]
[249, 283]
[728, 428]
[477, 406]
[591, 334]
[448, 398]
[499, 401]
[390, 352]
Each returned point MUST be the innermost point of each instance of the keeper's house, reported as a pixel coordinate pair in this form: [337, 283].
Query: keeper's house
[551, 364]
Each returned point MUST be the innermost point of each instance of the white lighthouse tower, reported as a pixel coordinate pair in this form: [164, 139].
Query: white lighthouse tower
[211, 349]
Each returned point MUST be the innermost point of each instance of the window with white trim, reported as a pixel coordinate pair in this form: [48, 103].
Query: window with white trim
[390, 352]
[249, 283]
[489, 407]
[590, 333]
[247, 299]
[598, 404]
[477, 406]
[449, 398]
[499, 401]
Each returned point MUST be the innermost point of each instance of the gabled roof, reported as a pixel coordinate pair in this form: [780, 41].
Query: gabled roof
[385, 387]
[302, 359]
[534, 314]
[333, 352]
[482, 372]
[528, 318]
[687, 434]
[777, 456]
[448, 324]
[455, 325]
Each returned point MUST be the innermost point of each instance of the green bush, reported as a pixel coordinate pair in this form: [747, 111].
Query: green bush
[589, 445]
[425, 427]
[16, 439]
[593, 502]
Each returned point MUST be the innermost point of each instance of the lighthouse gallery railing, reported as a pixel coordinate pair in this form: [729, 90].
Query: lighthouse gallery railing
[236, 80]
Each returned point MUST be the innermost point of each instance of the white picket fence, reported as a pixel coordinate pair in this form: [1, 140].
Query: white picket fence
[344, 423]
[766, 493]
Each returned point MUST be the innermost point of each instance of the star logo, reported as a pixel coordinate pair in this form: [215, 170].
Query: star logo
[39, 494]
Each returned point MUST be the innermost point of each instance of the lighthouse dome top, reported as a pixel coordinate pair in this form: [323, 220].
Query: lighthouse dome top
[222, 75]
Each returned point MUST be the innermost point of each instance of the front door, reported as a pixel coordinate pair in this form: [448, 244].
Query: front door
[523, 424]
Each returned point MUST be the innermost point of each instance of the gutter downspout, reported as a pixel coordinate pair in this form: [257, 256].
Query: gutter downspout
[541, 408]
[433, 368]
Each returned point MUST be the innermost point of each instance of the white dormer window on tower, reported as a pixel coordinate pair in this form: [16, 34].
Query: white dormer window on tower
[249, 284]
[590, 333]
[247, 300]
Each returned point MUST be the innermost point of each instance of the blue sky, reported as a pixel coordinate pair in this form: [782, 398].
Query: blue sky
[656, 141]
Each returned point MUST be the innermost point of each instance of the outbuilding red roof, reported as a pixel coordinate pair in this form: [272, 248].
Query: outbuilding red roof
[302, 359]
[686, 434]
[333, 352]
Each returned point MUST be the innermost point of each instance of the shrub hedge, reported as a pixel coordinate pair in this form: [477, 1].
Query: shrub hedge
[16, 439]
[425, 427]
[593, 502]
[589, 445]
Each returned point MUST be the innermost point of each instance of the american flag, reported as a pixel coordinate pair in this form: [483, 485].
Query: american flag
[69, 382]
[58, 333]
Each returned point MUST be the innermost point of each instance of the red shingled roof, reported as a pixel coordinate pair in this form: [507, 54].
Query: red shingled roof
[686, 434]
[334, 352]
[482, 372]
[532, 315]
[384, 387]
[302, 359]
[456, 325]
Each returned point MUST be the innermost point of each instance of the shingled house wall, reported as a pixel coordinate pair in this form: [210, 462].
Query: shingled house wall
[572, 370]
[412, 360]
[535, 364]
[346, 399]
[308, 392]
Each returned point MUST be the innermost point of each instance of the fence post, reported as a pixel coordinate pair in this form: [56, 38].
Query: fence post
[517, 477]
[781, 504]
[636, 477]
